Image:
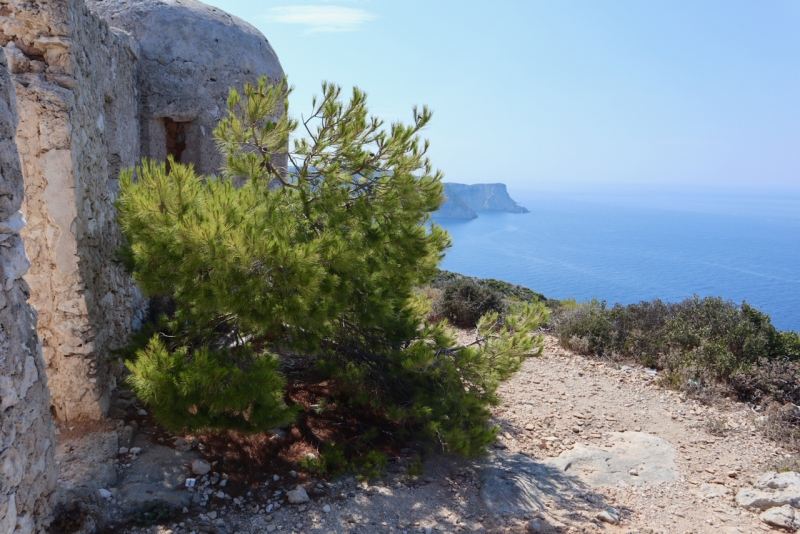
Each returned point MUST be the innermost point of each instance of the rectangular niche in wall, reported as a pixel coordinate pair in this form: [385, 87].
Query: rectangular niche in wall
[183, 141]
[176, 138]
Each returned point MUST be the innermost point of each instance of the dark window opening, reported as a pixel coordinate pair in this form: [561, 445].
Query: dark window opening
[176, 139]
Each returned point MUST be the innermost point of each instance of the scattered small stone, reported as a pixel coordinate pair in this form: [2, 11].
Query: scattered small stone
[105, 494]
[326, 509]
[200, 467]
[293, 474]
[123, 450]
[609, 515]
[136, 450]
[141, 412]
[297, 495]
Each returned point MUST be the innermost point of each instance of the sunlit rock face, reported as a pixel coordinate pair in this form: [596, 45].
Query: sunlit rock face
[191, 54]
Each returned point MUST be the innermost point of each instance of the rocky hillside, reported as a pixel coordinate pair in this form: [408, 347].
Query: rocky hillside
[462, 201]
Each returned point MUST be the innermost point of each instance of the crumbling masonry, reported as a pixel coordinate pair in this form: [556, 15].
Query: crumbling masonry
[95, 85]
[27, 438]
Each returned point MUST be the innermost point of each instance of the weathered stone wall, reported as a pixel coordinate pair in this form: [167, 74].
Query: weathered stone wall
[77, 99]
[27, 439]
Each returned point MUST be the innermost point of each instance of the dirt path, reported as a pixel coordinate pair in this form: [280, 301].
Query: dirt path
[575, 399]
[557, 401]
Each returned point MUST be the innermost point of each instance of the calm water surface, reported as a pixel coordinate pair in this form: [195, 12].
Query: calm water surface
[639, 246]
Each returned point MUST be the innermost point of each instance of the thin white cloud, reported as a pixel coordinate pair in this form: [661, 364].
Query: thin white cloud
[319, 19]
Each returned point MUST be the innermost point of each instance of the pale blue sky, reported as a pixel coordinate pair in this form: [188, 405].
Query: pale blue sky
[564, 93]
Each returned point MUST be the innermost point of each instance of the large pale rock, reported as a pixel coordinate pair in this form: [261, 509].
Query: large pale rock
[159, 473]
[781, 517]
[191, 54]
[770, 491]
[650, 457]
[515, 483]
[87, 461]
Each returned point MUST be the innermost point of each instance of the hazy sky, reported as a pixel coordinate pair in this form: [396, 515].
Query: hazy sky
[564, 93]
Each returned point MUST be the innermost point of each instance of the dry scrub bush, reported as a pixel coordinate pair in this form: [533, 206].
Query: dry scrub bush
[708, 347]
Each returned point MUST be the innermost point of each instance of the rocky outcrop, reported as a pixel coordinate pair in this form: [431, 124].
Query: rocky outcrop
[191, 54]
[76, 94]
[777, 497]
[462, 201]
[770, 491]
[27, 438]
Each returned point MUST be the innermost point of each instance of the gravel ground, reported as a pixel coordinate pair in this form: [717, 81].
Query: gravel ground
[557, 400]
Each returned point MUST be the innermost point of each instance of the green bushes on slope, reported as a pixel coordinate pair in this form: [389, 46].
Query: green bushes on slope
[698, 343]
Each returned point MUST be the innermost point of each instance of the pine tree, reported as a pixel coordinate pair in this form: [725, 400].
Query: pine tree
[321, 259]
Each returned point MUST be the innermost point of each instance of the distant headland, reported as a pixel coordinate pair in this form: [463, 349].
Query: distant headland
[462, 201]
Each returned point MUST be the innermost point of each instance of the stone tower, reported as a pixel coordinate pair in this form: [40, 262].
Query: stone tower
[98, 86]
[190, 56]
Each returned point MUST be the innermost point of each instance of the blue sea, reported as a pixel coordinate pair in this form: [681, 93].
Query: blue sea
[631, 245]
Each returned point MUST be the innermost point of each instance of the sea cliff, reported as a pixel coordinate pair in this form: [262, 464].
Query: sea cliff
[462, 201]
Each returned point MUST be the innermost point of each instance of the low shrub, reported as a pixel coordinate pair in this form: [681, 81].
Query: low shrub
[782, 423]
[776, 379]
[717, 426]
[507, 290]
[332, 461]
[463, 302]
